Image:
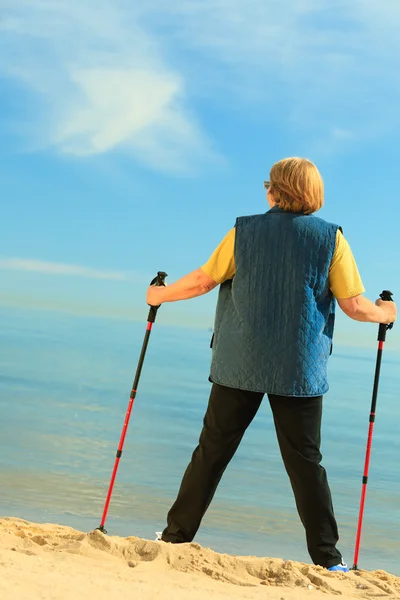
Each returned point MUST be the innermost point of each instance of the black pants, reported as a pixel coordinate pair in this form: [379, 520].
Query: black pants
[298, 426]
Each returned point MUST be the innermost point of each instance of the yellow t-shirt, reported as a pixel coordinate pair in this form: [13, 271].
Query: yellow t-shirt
[344, 278]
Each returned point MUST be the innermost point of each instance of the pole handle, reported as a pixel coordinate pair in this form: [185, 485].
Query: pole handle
[387, 296]
[161, 277]
[158, 281]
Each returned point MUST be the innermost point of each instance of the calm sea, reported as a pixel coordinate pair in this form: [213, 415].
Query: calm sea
[64, 389]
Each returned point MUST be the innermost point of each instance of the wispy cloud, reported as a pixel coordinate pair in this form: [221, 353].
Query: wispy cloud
[50, 268]
[101, 82]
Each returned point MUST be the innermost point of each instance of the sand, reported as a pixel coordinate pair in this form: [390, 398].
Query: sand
[59, 563]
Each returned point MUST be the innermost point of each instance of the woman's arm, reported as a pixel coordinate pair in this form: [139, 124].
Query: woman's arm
[192, 285]
[360, 308]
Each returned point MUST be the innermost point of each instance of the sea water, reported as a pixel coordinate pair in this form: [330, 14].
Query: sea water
[64, 389]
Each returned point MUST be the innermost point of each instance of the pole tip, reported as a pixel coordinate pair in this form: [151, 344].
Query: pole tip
[102, 529]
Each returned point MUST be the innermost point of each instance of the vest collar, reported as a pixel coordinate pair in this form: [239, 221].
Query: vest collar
[276, 210]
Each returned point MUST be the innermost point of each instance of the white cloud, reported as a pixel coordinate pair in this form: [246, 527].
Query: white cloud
[100, 81]
[117, 103]
[342, 134]
[50, 268]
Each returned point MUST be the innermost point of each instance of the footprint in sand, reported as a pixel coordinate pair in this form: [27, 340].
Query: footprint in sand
[24, 551]
[40, 540]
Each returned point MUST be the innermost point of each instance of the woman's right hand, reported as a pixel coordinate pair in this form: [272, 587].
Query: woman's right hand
[389, 309]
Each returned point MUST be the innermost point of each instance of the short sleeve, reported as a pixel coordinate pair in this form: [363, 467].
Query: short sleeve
[344, 278]
[221, 264]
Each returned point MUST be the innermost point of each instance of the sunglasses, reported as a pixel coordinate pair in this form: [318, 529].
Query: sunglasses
[267, 184]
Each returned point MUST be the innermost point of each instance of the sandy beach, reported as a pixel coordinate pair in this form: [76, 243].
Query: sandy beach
[50, 561]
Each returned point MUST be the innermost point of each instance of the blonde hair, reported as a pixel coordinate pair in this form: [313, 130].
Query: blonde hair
[297, 185]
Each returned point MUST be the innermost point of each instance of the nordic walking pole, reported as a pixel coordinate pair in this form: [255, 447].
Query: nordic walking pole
[159, 280]
[386, 295]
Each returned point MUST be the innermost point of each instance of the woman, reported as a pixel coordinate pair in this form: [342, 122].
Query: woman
[279, 273]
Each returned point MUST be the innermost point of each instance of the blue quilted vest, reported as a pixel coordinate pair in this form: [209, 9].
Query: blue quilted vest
[274, 320]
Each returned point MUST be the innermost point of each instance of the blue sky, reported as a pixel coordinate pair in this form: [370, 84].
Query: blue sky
[132, 136]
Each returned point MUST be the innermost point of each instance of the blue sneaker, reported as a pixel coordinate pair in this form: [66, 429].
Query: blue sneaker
[342, 567]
